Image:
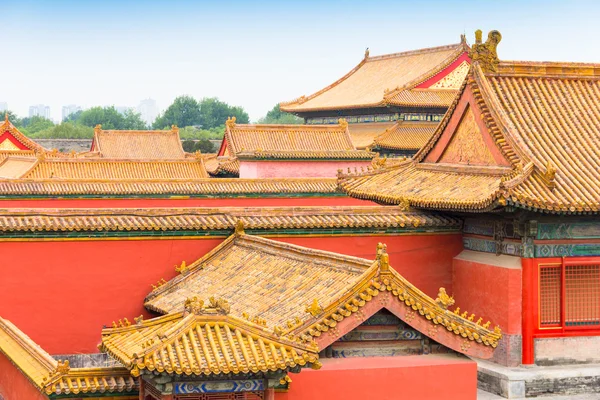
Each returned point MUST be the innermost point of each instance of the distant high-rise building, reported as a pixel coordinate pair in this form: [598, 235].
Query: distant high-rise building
[148, 110]
[39, 110]
[3, 106]
[68, 110]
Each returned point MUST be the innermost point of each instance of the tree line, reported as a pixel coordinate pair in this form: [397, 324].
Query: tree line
[202, 120]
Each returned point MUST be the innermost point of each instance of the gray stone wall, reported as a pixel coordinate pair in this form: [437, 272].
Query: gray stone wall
[568, 350]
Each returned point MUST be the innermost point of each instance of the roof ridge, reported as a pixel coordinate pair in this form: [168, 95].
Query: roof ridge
[425, 50]
[548, 69]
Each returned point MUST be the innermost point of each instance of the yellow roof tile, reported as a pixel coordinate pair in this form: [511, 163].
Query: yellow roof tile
[204, 340]
[363, 134]
[422, 98]
[406, 135]
[368, 83]
[147, 145]
[167, 187]
[299, 292]
[543, 118]
[291, 141]
[115, 169]
[244, 269]
[198, 219]
[55, 377]
[15, 166]
[222, 166]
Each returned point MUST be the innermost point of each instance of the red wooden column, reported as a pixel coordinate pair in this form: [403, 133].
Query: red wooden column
[270, 394]
[529, 288]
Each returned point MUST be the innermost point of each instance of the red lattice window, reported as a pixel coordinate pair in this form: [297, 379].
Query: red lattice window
[550, 294]
[582, 294]
[569, 295]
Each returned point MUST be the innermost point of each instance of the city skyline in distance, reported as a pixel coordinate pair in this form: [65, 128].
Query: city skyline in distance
[97, 54]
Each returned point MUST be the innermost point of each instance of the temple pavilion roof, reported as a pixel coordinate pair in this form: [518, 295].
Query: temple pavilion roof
[388, 79]
[145, 145]
[53, 376]
[204, 340]
[299, 292]
[290, 142]
[525, 134]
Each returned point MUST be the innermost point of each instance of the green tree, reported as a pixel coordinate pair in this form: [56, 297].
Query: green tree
[35, 124]
[205, 146]
[74, 117]
[188, 145]
[215, 112]
[65, 130]
[185, 111]
[110, 118]
[276, 116]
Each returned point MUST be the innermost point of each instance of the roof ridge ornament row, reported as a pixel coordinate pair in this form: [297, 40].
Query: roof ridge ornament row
[485, 53]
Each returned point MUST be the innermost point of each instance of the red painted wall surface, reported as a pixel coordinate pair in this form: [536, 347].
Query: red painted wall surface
[490, 292]
[14, 385]
[386, 378]
[173, 203]
[60, 293]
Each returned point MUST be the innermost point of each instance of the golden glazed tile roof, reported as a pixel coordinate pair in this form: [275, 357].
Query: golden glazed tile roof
[168, 187]
[56, 377]
[363, 134]
[421, 98]
[204, 340]
[406, 135]
[543, 119]
[371, 80]
[299, 292]
[244, 270]
[142, 145]
[15, 166]
[104, 169]
[7, 126]
[68, 220]
[291, 141]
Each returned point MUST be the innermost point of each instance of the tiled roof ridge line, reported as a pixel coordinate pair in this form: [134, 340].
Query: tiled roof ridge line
[32, 348]
[257, 242]
[533, 69]
[381, 277]
[191, 268]
[6, 125]
[304, 98]
[428, 74]
[459, 46]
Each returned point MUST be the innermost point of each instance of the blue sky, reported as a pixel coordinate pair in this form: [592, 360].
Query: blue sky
[252, 54]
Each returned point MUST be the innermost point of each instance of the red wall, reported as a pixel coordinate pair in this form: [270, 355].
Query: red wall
[386, 378]
[14, 385]
[60, 293]
[173, 203]
[489, 291]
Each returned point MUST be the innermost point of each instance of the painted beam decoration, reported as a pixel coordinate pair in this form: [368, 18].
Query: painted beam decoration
[248, 385]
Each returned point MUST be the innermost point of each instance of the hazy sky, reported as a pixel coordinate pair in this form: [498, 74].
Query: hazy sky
[252, 54]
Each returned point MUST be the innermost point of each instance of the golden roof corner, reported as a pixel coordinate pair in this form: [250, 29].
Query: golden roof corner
[230, 123]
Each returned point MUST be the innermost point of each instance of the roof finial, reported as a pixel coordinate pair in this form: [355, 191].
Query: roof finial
[367, 52]
[383, 257]
[97, 128]
[174, 129]
[239, 228]
[463, 39]
[549, 175]
[6, 116]
[485, 53]
[343, 123]
[230, 123]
